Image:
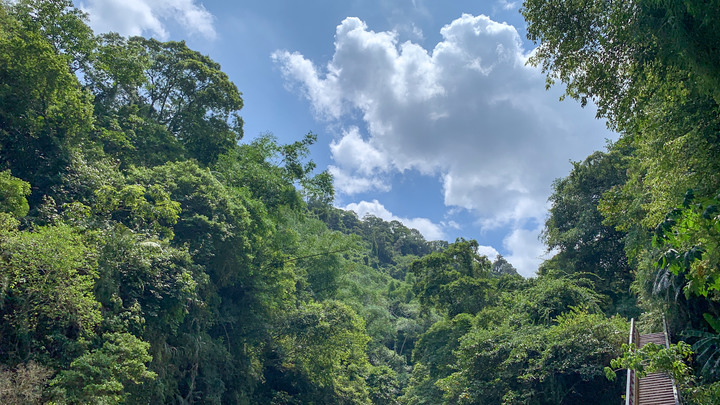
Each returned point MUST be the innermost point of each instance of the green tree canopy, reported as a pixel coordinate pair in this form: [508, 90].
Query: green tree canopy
[43, 109]
[455, 280]
[585, 247]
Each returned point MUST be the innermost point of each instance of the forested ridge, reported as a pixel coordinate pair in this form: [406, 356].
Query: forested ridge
[149, 254]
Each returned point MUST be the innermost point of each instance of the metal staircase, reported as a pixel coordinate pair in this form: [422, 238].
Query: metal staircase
[655, 388]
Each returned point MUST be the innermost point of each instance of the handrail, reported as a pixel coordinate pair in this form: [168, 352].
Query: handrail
[676, 395]
[632, 381]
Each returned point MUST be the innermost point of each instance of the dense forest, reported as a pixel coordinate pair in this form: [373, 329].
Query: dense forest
[149, 255]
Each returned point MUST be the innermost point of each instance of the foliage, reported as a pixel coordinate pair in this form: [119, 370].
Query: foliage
[653, 358]
[509, 353]
[707, 394]
[434, 358]
[580, 42]
[515, 363]
[48, 305]
[689, 238]
[501, 267]
[162, 95]
[193, 98]
[383, 385]
[455, 280]
[548, 297]
[325, 343]
[103, 375]
[12, 195]
[674, 361]
[139, 208]
[632, 60]
[584, 246]
[43, 110]
[272, 171]
[650, 67]
[707, 346]
[145, 286]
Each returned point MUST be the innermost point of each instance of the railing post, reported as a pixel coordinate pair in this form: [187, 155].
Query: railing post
[631, 383]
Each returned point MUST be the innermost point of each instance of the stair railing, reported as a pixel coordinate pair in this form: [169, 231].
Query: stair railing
[676, 394]
[631, 385]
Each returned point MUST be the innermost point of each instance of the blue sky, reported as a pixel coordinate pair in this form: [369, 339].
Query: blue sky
[425, 111]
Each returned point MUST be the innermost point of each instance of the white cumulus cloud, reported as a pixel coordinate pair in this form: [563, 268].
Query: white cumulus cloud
[488, 251]
[469, 112]
[527, 252]
[142, 17]
[360, 164]
[429, 230]
[353, 152]
[349, 183]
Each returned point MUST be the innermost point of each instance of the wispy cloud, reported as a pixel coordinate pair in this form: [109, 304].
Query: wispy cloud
[508, 5]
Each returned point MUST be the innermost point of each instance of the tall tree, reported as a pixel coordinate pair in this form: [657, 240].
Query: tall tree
[43, 109]
[625, 57]
[152, 96]
[585, 247]
[455, 280]
[47, 298]
[501, 267]
[651, 67]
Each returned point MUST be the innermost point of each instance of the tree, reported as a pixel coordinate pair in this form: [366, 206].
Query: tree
[152, 95]
[25, 384]
[13, 193]
[683, 267]
[47, 293]
[62, 26]
[383, 386]
[501, 267]
[325, 344]
[193, 98]
[549, 297]
[632, 60]
[43, 110]
[585, 247]
[614, 52]
[651, 67]
[273, 172]
[434, 358]
[560, 364]
[146, 287]
[689, 244]
[104, 375]
[317, 254]
[455, 280]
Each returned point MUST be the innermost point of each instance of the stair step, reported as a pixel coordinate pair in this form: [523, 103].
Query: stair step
[655, 388]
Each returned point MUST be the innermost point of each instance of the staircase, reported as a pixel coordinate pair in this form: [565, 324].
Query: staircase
[655, 388]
